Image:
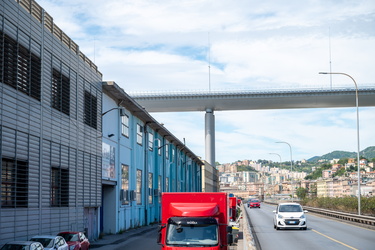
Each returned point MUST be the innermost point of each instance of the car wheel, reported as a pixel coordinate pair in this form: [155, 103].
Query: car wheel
[277, 228]
[305, 228]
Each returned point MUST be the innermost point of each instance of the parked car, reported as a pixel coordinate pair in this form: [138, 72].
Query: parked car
[254, 203]
[51, 242]
[22, 245]
[75, 240]
[289, 215]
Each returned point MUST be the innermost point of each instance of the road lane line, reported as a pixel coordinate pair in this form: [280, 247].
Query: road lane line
[334, 240]
[343, 222]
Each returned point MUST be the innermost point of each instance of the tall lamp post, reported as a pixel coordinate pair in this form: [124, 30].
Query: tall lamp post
[273, 185]
[291, 166]
[356, 104]
[276, 154]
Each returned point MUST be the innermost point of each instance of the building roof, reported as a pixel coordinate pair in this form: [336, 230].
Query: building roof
[124, 100]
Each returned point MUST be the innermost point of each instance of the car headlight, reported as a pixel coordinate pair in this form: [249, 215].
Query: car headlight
[302, 217]
[279, 216]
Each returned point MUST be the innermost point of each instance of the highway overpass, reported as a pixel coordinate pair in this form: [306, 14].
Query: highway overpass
[210, 101]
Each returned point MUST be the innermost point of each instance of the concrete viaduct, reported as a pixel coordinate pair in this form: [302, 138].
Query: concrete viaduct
[211, 101]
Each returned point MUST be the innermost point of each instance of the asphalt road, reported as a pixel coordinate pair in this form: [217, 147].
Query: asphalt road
[322, 233]
[146, 241]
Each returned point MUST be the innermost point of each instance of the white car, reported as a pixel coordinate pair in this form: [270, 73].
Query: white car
[289, 215]
[51, 242]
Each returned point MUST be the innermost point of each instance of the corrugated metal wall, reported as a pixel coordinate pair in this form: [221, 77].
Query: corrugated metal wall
[34, 132]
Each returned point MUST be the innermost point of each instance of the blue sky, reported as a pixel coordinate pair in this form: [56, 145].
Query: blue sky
[146, 45]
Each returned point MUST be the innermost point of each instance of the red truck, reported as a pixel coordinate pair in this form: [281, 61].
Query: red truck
[191, 220]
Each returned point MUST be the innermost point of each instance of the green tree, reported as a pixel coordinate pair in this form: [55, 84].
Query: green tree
[343, 161]
[301, 192]
[340, 172]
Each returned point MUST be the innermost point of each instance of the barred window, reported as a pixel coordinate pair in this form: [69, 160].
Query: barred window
[20, 68]
[91, 110]
[59, 187]
[60, 95]
[14, 183]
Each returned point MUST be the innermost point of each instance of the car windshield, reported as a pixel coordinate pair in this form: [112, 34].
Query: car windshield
[193, 235]
[15, 247]
[290, 208]
[69, 237]
[254, 201]
[46, 242]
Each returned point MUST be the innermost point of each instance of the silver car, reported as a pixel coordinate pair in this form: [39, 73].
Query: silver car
[23, 245]
[289, 215]
[51, 242]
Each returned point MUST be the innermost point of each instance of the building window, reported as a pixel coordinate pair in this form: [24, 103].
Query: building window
[159, 186]
[59, 187]
[167, 150]
[150, 141]
[125, 184]
[91, 110]
[150, 193]
[19, 68]
[139, 187]
[139, 134]
[14, 183]
[60, 95]
[166, 184]
[159, 146]
[125, 125]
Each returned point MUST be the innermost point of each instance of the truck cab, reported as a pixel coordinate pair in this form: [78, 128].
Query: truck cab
[192, 231]
[191, 220]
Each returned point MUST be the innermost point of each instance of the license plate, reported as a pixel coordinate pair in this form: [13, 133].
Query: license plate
[292, 222]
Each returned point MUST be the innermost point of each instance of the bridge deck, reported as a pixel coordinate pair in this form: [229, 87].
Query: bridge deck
[254, 100]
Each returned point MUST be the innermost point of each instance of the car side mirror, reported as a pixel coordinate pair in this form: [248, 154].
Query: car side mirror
[274, 211]
[305, 211]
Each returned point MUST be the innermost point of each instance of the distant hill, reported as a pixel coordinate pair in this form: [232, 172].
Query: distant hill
[368, 153]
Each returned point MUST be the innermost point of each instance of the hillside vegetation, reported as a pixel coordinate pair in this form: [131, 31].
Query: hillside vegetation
[368, 153]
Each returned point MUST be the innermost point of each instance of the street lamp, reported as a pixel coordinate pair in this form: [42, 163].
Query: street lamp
[291, 166]
[356, 104]
[276, 154]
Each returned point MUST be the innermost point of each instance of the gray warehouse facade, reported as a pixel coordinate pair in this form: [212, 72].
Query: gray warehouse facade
[50, 127]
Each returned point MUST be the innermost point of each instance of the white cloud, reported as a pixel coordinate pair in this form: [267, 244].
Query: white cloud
[163, 45]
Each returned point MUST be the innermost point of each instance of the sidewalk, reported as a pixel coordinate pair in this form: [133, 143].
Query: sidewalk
[114, 239]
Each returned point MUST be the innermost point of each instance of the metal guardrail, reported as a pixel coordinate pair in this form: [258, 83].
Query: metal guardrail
[250, 241]
[362, 219]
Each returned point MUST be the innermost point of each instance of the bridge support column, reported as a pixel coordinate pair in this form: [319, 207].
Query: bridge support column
[210, 136]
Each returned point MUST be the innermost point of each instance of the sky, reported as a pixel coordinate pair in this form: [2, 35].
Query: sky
[200, 45]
